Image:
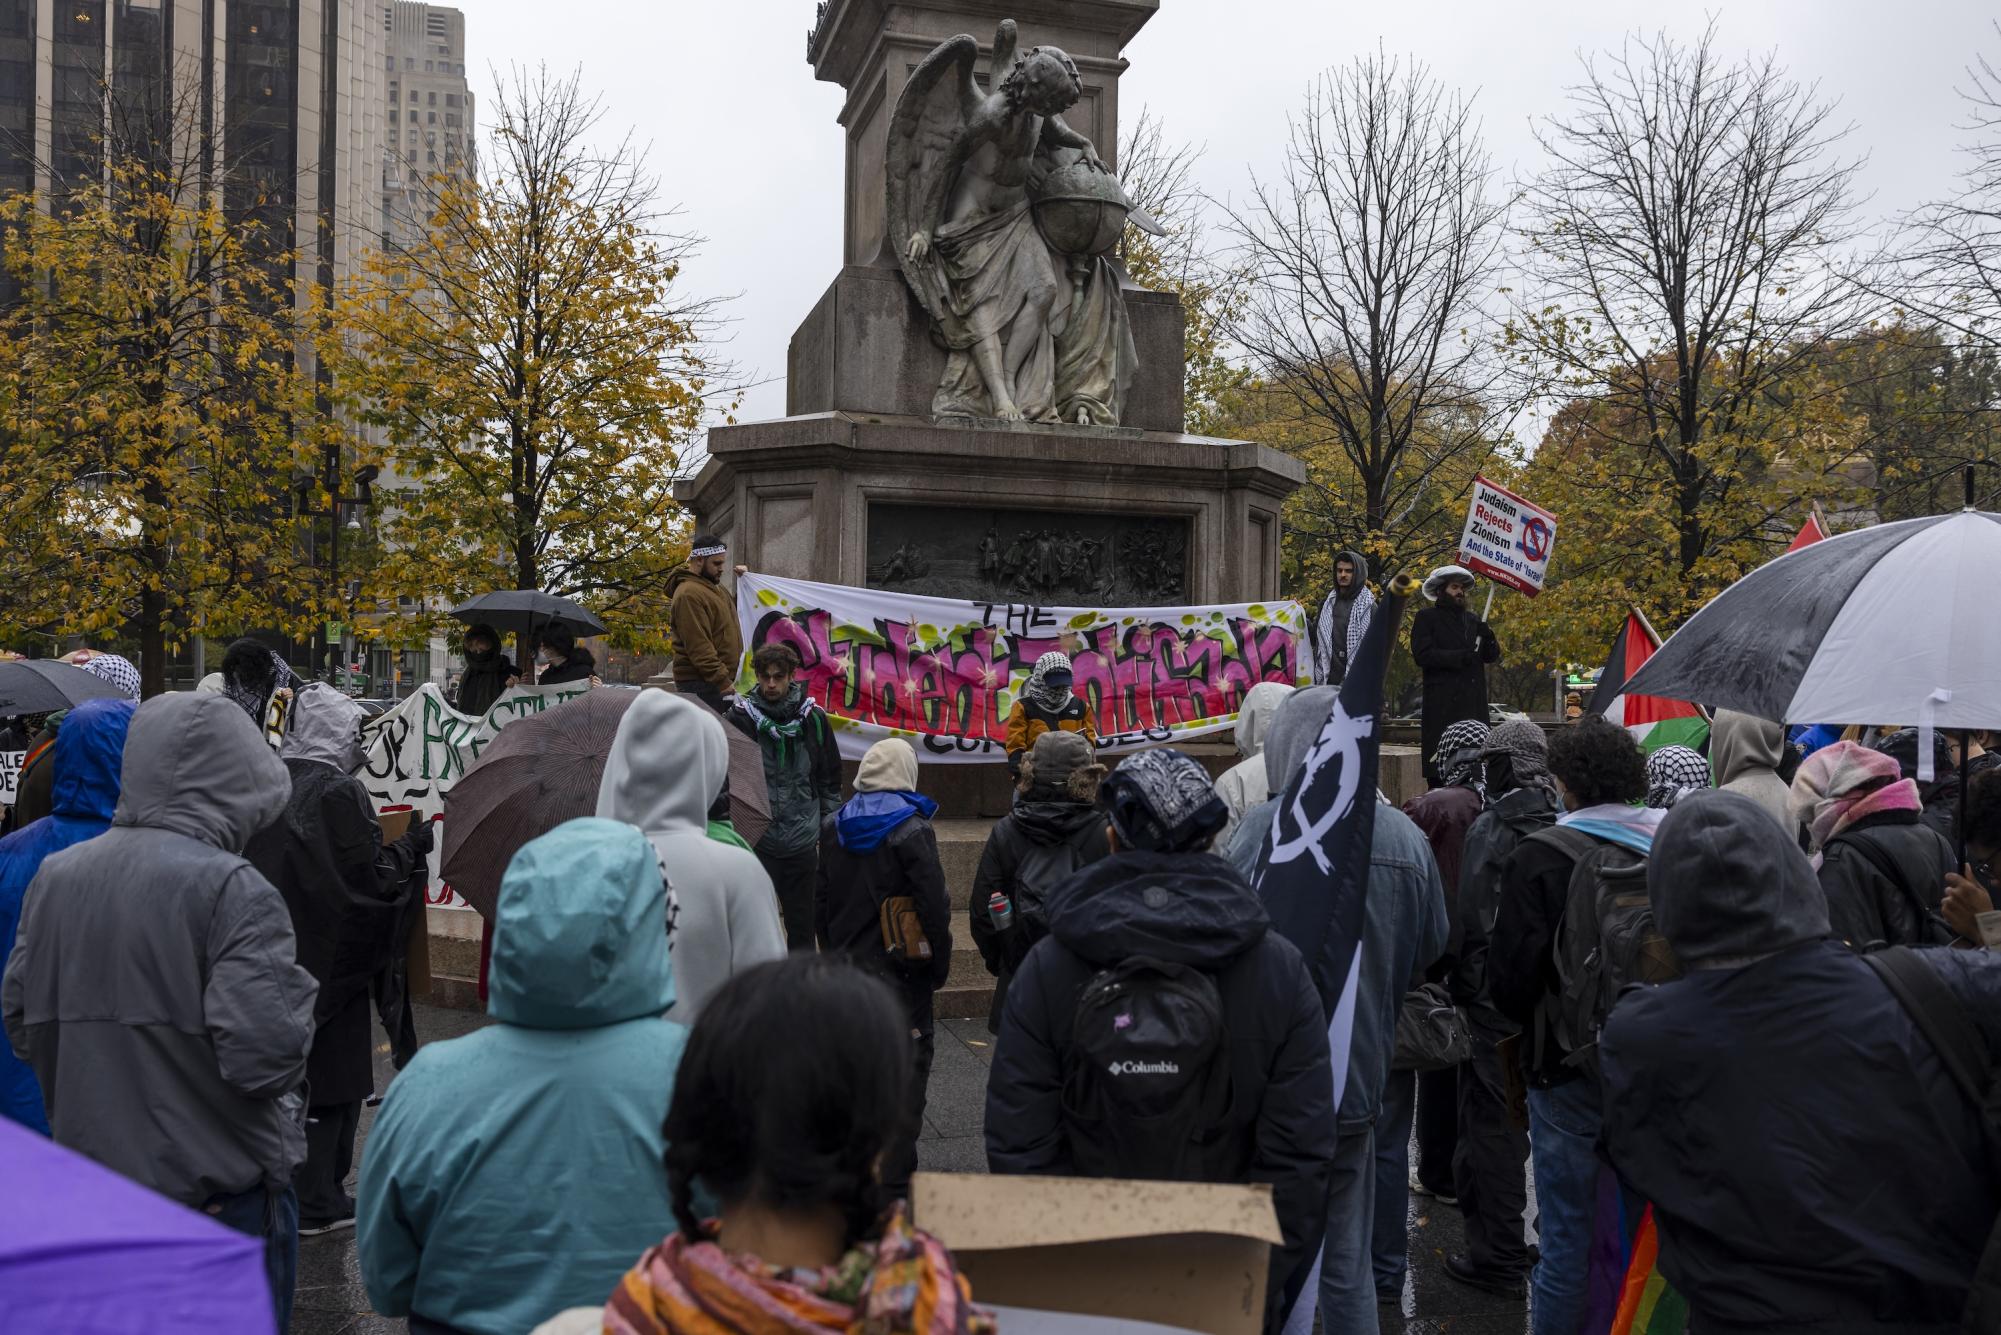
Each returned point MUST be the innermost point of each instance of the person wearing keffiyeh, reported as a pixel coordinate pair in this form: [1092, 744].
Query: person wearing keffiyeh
[805, 1044]
[802, 777]
[1047, 704]
[1672, 773]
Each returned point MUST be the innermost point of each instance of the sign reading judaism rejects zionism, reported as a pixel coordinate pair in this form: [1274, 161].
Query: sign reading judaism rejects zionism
[944, 673]
[1508, 538]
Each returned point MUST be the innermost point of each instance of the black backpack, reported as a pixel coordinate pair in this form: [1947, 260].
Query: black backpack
[1605, 942]
[1146, 1078]
[1944, 1022]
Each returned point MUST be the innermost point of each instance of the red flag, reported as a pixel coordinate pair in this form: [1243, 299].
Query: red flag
[1810, 532]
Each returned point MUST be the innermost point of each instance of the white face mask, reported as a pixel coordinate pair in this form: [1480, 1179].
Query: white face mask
[546, 657]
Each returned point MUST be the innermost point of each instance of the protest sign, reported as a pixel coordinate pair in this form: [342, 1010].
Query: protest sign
[943, 673]
[11, 764]
[418, 750]
[1507, 538]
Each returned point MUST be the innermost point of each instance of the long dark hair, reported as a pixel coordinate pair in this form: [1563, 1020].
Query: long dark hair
[795, 1081]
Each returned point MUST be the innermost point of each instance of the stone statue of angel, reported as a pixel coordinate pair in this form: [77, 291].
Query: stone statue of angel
[1002, 218]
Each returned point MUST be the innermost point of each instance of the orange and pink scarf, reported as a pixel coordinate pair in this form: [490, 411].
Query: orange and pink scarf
[902, 1282]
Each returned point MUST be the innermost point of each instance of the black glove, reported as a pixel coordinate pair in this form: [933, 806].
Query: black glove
[420, 838]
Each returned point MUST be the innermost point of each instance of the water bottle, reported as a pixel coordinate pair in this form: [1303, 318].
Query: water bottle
[1000, 911]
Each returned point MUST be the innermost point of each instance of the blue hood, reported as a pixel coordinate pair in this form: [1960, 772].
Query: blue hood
[90, 747]
[868, 818]
[580, 934]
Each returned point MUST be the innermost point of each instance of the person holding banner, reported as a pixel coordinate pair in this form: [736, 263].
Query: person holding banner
[1453, 647]
[1047, 704]
[1344, 618]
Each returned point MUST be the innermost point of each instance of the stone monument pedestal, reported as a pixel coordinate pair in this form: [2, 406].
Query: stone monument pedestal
[1113, 516]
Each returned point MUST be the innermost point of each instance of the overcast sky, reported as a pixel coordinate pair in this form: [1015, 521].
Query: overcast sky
[745, 141]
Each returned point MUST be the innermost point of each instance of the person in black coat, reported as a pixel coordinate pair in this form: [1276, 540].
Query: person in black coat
[346, 894]
[488, 672]
[1811, 1163]
[1882, 867]
[1489, 1158]
[880, 846]
[560, 659]
[1054, 828]
[1453, 647]
[1162, 895]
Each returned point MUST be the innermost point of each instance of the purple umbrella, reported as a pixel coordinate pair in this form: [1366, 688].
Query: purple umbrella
[87, 1252]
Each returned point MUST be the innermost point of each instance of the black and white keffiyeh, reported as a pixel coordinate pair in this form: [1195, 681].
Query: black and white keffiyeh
[1673, 771]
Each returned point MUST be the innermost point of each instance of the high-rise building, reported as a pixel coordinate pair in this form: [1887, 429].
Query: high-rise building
[283, 100]
[429, 128]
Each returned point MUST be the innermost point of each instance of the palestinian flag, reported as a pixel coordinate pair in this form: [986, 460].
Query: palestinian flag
[1654, 722]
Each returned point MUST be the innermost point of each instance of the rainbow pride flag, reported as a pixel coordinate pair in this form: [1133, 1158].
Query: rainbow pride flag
[1648, 1304]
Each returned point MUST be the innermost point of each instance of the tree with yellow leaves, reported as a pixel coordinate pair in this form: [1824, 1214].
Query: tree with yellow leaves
[536, 374]
[153, 414]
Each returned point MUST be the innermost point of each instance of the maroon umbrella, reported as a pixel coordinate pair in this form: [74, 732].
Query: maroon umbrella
[544, 769]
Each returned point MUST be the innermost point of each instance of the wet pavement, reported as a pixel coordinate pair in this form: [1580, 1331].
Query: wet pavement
[331, 1300]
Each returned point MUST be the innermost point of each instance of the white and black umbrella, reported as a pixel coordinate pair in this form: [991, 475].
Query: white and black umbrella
[1892, 624]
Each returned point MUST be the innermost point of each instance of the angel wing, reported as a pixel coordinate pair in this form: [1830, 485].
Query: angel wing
[931, 115]
[1002, 59]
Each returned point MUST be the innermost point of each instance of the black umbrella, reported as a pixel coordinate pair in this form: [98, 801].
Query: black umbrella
[525, 611]
[42, 686]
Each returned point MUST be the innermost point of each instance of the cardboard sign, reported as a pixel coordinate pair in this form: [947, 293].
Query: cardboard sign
[943, 673]
[1507, 538]
[11, 764]
[1191, 1255]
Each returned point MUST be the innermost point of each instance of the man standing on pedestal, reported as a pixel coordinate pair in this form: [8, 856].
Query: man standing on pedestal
[707, 642]
[1344, 618]
[1453, 647]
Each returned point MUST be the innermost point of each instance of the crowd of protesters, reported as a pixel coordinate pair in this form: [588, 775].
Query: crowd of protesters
[1665, 982]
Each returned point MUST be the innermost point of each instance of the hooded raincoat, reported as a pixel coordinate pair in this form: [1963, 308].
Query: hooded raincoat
[169, 1029]
[88, 751]
[516, 1171]
[1811, 1162]
[668, 763]
[1244, 785]
[1745, 752]
[344, 890]
[1191, 909]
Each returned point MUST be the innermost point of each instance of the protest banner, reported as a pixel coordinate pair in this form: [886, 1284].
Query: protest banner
[1507, 538]
[415, 752]
[11, 764]
[943, 673]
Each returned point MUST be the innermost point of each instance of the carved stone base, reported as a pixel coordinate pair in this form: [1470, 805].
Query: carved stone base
[1106, 515]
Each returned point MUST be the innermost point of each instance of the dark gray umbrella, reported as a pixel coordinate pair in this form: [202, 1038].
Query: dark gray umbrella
[525, 611]
[42, 686]
[1890, 624]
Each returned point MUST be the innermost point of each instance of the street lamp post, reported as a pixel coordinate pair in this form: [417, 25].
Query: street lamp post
[338, 508]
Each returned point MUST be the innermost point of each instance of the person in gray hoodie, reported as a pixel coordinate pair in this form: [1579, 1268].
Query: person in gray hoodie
[668, 762]
[1365, 1256]
[1745, 753]
[1344, 618]
[154, 986]
[1243, 785]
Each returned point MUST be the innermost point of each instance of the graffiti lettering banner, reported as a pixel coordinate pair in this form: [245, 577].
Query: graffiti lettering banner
[944, 673]
[418, 750]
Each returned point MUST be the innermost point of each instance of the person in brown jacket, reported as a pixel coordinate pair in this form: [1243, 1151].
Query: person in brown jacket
[707, 644]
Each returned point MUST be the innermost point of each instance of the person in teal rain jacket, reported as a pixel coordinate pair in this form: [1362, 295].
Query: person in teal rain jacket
[516, 1172]
[88, 752]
